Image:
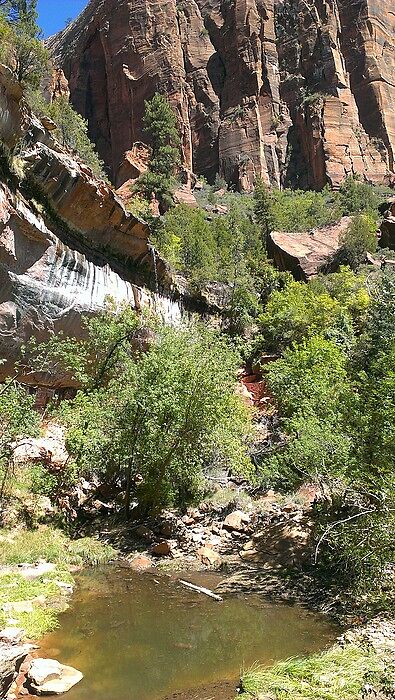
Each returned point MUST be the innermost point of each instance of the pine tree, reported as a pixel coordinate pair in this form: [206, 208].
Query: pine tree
[160, 125]
[263, 209]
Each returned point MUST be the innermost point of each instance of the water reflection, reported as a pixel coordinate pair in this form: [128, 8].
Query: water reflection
[143, 637]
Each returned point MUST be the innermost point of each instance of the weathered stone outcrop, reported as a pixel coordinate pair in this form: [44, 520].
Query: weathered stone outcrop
[294, 92]
[66, 241]
[11, 656]
[316, 43]
[47, 284]
[216, 61]
[305, 254]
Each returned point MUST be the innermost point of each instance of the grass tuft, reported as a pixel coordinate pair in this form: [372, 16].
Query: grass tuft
[340, 673]
[29, 546]
[90, 551]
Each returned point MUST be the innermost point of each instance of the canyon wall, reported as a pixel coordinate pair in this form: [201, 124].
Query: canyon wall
[66, 241]
[298, 93]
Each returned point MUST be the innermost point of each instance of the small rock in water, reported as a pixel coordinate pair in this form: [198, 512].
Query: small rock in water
[49, 677]
[141, 563]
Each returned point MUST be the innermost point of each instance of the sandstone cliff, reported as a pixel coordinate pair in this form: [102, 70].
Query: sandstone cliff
[66, 241]
[297, 92]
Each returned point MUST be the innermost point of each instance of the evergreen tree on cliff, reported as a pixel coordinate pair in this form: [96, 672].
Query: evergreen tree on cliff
[20, 46]
[160, 125]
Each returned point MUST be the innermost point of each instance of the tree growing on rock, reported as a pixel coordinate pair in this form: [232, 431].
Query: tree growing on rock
[160, 125]
[21, 47]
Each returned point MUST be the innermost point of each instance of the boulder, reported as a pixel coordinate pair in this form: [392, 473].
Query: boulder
[162, 549]
[236, 521]
[304, 254]
[208, 556]
[11, 635]
[49, 677]
[141, 563]
[11, 656]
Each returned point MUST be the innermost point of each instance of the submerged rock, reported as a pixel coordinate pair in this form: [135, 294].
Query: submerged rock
[49, 677]
[141, 563]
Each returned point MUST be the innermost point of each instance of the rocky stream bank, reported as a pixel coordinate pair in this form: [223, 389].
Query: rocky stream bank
[258, 543]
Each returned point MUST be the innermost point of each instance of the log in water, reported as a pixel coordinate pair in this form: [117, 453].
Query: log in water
[146, 637]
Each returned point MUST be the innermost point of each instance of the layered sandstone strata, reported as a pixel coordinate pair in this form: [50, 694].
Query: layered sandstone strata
[296, 92]
[216, 61]
[67, 243]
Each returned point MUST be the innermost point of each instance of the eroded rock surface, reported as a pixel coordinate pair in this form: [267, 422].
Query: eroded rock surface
[304, 254]
[294, 92]
[67, 242]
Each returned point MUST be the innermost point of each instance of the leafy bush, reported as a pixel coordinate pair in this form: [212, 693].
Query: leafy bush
[359, 239]
[72, 129]
[301, 311]
[169, 414]
[18, 419]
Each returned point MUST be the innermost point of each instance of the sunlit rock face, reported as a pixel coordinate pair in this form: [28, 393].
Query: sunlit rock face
[305, 254]
[47, 286]
[67, 244]
[242, 76]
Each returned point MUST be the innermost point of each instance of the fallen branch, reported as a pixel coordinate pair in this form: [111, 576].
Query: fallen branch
[333, 525]
[199, 589]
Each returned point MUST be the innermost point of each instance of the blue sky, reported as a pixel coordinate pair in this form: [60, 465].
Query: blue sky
[53, 14]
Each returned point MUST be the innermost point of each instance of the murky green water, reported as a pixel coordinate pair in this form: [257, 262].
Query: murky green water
[145, 637]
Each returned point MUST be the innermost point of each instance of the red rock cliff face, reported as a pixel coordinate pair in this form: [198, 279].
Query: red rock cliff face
[295, 92]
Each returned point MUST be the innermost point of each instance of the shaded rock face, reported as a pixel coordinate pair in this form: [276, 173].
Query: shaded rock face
[66, 242]
[387, 238]
[240, 75]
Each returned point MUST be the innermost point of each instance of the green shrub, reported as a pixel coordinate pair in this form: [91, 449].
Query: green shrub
[359, 239]
[300, 311]
[72, 129]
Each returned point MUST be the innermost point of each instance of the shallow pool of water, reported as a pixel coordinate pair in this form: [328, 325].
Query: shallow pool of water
[146, 637]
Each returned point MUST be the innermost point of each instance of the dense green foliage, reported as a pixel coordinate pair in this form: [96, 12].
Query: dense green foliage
[160, 125]
[336, 398]
[163, 416]
[72, 129]
[20, 46]
[228, 249]
[17, 420]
